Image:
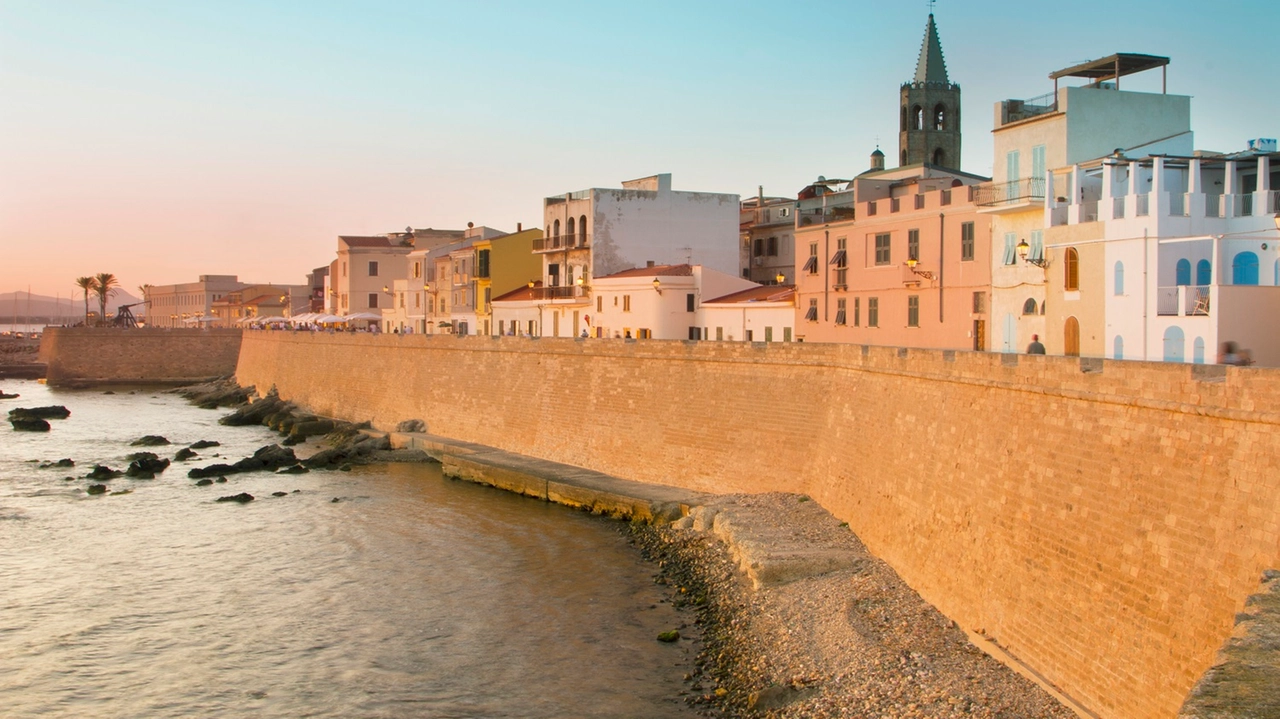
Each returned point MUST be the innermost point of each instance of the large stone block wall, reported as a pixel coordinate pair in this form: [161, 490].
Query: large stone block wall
[101, 355]
[1103, 521]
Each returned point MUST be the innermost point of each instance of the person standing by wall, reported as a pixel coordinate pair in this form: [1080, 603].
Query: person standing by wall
[1035, 348]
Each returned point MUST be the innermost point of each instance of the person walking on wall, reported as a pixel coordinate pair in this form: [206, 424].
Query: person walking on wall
[1035, 348]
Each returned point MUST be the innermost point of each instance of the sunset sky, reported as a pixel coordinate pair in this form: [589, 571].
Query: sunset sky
[163, 140]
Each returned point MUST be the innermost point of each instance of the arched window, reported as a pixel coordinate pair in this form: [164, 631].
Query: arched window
[1071, 337]
[1071, 270]
[939, 157]
[1029, 307]
[1119, 278]
[904, 125]
[1174, 350]
[1197, 350]
[940, 117]
[904, 158]
[556, 226]
[1244, 269]
[1182, 273]
[582, 231]
[1117, 349]
[1204, 273]
[568, 229]
[917, 115]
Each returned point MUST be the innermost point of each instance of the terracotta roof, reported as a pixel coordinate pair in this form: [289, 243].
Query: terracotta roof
[519, 293]
[261, 299]
[655, 271]
[764, 293]
[358, 241]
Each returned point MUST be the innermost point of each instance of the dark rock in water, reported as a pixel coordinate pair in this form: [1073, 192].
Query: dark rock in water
[412, 425]
[268, 458]
[670, 636]
[214, 395]
[295, 469]
[151, 440]
[97, 489]
[147, 467]
[109, 392]
[358, 448]
[296, 491]
[8, 396]
[279, 494]
[210, 471]
[344, 468]
[220, 479]
[50, 412]
[184, 454]
[142, 455]
[29, 424]
[253, 413]
[68, 479]
[101, 472]
[335, 500]
[292, 440]
[122, 491]
[59, 463]
[204, 482]
[242, 498]
[204, 444]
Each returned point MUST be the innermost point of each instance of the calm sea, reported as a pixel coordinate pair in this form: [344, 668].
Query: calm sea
[411, 596]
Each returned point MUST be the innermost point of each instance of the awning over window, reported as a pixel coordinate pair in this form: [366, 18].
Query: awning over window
[839, 316]
[812, 314]
[812, 265]
[838, 258]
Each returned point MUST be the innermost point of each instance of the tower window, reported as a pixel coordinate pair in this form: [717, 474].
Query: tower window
[938, 157]
[917, 118]
[940, 118]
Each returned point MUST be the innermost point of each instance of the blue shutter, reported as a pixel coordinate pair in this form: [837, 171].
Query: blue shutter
[1010, 248]
[1037, 162]
[1204, 272]
[1037, 245]
[1011, 166]
[1119, 289]
[1182, 272]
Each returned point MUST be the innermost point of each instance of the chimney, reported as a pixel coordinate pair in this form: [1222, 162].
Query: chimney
[519, 227]
[648, 263]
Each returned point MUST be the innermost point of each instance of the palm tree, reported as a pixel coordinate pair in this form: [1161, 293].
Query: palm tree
[86, 284]
[104, 285]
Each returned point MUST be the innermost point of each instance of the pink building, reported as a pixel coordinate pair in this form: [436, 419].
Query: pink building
[900, 258]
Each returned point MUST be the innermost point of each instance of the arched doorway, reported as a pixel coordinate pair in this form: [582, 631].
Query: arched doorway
[1197, 350]
[1071, 337]
[1174, 345]
[1117, 349]
[1009, 343]
[1204, 273]
[1183, 272]
[1244, 269]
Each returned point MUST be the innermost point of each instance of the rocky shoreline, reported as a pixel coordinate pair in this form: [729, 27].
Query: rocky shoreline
[854, 642]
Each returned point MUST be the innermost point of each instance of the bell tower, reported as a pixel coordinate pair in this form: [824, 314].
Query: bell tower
[930, 105]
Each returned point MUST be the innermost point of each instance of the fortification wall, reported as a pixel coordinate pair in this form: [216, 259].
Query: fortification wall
[1103, 521]
[108, 355]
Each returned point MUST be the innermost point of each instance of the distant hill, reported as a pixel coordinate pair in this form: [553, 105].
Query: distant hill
[48, 309]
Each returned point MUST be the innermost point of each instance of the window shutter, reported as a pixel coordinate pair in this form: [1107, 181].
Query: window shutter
[1010, 248]
[1037, 245]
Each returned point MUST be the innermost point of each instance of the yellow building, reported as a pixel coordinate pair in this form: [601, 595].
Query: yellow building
[503, 264]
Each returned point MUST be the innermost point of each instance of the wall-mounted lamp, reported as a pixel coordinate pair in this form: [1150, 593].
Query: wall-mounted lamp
[911, 265]
[386, 289]
[780, 278]
[530, 284]
[1024, 251]
[657, 285]
[578, 281]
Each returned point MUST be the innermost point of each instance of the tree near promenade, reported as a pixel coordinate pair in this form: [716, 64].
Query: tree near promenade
[87, 284]
[104, 285]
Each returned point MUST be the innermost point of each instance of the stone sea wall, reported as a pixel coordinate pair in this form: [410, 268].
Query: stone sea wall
[108, 355]
[1101, 521]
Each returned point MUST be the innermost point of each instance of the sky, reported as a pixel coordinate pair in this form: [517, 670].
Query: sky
[163, 140]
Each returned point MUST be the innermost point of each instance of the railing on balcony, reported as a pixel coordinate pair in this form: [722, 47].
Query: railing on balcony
[561, 242]
[568, 292]
[1178, 204]
[1273, 202]
[820, 215]
[1117, 208]
[1244, 205]
[1089, 211]
[1213, 205]
[1015, 110]
[1184, 300]
[1030, 189]
[1144, 206]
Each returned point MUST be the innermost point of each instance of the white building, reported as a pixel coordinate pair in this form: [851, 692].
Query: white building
[1068, 126]
[176, 305]
[657, 301]
[597, 232]
[756, 314]
[1187, 259]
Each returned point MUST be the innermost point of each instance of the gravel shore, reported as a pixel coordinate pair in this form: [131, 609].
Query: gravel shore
[856, 642]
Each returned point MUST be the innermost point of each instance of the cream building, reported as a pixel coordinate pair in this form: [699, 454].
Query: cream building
[656, 302]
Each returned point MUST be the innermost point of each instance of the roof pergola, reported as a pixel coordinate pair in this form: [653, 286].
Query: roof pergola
[1115, 67]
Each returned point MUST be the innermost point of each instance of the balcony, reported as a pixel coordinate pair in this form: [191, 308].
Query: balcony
[564, 293]
[821, 216]
[561, 242]
[1018, 110]
[1182, 301]
[1010, 196]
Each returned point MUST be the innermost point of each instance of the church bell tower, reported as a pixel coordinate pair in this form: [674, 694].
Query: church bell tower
[930, 125]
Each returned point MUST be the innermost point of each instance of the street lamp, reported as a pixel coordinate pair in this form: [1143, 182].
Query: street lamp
[1024, 250]
[780, 278]
[911, 265]
[657, 285]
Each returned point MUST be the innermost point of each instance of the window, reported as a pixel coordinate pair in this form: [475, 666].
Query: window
[1204, 273]
[748, 336]
[1071, 270]
[1029, 307]
[840, 258]
[940, 117]
[373, 300]
[966, 242]
[919, 202]
[913, 244]
[482, 263]
[913, 310]
[599, 303]
[401, 298]
[758, 249]
[784, 212]
[1037, 245]
[768, 334]
[1010, 248]
[786, 334]
[626, 303]
[917, 118]
[773, 247]
[1244, 269]
[1011, 162]
[811, 265]
[873, 311]
[882, 249]
[1117, 350]
[812, 314]
[1037, 162]
[417, 300]
[719, 334]
[857, 311]
[688, 302]
[695, 333]
[373, 268]
[1119, 279]
[417, 270]
[840, 311]
[979, 302]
